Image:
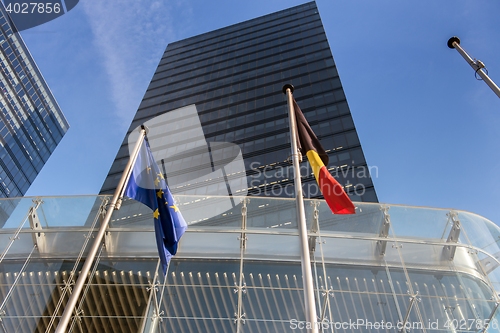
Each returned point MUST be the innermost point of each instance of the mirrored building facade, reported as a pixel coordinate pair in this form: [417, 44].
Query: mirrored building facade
[233, 78]
[31, 122]
[387, 268]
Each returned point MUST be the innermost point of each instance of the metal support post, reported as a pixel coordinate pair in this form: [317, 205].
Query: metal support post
[241, 286]
[36, 204]
[384, 232]
[314, 230]
[450, 248]
[38, 235]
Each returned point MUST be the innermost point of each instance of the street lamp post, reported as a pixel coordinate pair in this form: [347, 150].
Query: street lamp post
[477, 65]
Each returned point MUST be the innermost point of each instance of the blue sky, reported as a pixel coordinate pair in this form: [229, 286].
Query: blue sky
[425, 123]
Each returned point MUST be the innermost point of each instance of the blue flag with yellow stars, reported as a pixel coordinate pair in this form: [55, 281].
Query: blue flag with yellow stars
[147, 185]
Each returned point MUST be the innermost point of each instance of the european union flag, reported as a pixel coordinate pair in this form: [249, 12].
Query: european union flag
[147, 185]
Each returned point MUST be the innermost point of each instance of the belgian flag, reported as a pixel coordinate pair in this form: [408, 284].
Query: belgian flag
[309, 145]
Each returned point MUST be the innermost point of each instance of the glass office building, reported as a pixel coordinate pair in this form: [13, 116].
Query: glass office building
[232, 79]
[384, 269]
[31, 122]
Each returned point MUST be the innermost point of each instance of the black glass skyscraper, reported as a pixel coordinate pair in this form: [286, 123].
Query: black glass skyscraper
[31, 122]
[234, 78]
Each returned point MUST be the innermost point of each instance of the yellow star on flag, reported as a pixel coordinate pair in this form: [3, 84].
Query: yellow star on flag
[174, 207]
[159, 193]
[160, 175]
[157, 181]
[156, 213]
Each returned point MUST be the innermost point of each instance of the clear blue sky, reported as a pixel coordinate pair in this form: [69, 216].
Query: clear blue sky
[425, 123]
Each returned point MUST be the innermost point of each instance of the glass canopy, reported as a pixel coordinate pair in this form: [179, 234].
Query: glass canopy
[388, 268]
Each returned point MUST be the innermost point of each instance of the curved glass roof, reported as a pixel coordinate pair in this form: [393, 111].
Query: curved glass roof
[386, 268]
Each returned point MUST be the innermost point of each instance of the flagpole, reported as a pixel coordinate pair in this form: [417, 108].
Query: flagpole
[477, 65]
[307, 279]
[80, 282]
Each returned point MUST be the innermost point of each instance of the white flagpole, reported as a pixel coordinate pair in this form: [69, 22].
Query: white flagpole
[80, 282]
[307, 278]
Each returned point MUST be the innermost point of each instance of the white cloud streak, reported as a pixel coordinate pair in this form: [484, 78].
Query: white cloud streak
[131, 36]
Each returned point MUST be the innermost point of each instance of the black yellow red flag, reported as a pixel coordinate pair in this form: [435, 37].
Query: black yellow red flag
[335, 196]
